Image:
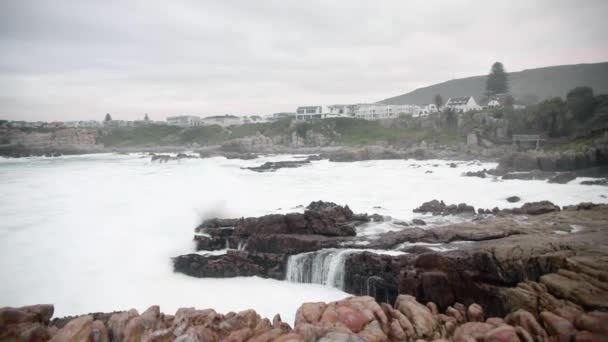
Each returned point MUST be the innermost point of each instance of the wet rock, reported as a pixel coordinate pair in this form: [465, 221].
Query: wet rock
[419, 222]
[480, 174]
[513, 199]
[596, 182]
[232, 264]
[440, 208]
[532, 175]
[274, 166]
[563, 178]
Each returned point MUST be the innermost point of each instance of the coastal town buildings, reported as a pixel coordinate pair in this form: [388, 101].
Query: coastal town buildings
[184, 121]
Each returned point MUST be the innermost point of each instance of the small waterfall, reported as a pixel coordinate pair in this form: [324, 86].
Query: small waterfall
[242, 245]
[324, 267]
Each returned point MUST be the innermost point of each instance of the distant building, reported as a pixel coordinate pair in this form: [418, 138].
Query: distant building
[118, 124]
[184, 121]
[377, 111]
[307, 113]
[462, 104]
[222, 120]
[342, 110]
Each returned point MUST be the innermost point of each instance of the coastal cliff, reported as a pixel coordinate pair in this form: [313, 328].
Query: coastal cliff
[17, 142]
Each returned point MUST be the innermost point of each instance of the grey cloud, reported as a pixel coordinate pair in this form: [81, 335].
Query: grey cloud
[72, 59]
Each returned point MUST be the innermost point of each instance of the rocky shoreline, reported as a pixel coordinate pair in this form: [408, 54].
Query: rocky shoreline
[538, 257]
[534, 273]
[351, 319]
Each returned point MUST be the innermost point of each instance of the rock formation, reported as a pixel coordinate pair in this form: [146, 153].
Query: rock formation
[350, 319]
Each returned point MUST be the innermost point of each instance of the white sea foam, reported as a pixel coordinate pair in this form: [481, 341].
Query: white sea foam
[96, 232]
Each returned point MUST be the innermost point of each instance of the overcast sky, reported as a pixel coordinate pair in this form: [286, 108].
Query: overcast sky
[75, 60]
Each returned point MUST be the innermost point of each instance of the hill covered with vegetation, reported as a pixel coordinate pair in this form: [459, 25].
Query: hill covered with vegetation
[539, 84]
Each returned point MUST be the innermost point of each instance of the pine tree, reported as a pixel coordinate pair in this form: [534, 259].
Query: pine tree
[438, 100]
[146, 118]
[497, 82]
[108, 117]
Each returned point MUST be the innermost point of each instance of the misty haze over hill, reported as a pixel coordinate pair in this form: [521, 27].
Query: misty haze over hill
[545, 83]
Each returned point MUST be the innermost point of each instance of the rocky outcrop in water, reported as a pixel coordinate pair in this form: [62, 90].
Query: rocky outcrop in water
[234, 263]
[537, 258]
[350, 319]
[436, 207]
[322, 225]
[273, 166]
[163, 158]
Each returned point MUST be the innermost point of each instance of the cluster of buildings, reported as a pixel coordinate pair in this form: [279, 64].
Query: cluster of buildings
[373, 111]
[221, 120]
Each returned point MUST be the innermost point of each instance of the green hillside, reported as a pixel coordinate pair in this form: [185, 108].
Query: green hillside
[543, 83]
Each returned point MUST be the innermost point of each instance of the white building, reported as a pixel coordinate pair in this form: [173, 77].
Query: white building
[222, 120]
[307, 113]
[462, 104]
[342, 110]
[378, 111]
[184, 121]
[425, 110]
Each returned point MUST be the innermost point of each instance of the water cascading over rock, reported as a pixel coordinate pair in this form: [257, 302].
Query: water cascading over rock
[324, 267]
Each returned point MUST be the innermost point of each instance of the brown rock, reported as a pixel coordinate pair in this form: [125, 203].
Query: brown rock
[595, 322]
[527, 321]
[587, 336]
[475, 313]
[78, 329]
[420, 316]
[472, 331]
[99, 333]
[505, 333]
[118, 322]
[495, 321]
[457, 315]
[557, 326]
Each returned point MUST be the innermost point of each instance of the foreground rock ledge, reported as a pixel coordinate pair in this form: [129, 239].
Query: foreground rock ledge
[350, 319]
